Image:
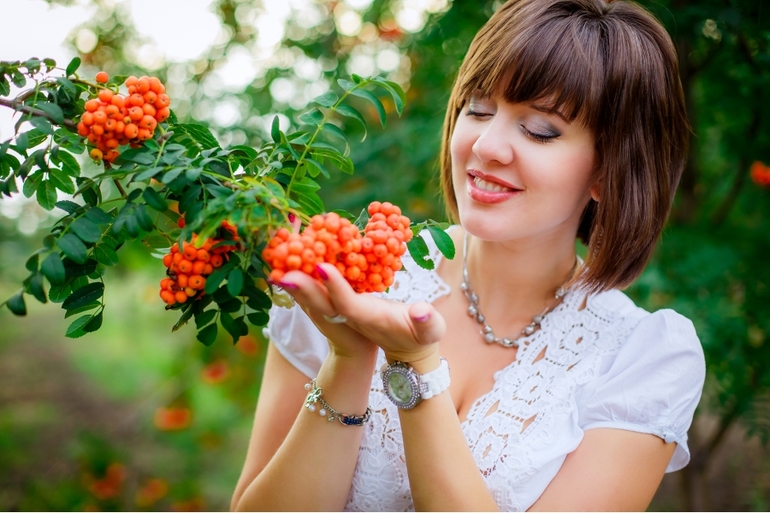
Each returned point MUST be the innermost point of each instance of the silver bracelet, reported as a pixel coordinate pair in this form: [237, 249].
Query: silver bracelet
[330, 413]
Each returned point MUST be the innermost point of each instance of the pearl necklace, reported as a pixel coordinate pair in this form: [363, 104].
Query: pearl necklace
[486, 330]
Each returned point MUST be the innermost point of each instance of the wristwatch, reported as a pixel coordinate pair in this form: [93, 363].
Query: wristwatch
[406, 389]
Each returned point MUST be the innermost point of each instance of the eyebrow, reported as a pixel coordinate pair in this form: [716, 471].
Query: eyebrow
[548, 110]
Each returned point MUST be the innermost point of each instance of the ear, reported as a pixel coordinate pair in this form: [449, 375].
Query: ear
[595, 191]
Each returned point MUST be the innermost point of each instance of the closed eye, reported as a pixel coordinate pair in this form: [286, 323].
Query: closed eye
[541, 138]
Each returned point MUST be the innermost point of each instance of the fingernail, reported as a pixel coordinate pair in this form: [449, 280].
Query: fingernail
[321, 273]
[421, 318]
[292, 217]
[287, 285]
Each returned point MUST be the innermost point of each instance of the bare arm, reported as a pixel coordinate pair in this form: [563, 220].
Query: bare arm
[298, 460]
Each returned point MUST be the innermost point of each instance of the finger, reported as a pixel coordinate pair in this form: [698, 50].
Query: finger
[341, 295]
[428, 325]
[306, 291]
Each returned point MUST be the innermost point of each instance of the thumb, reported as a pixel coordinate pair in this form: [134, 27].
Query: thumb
[429, 326]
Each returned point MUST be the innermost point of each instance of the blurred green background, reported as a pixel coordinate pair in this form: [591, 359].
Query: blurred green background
[134, 417]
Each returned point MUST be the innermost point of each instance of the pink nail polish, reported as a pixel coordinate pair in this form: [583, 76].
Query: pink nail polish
[321, 273]
[421, 318]
[292, 217]
[287, 285]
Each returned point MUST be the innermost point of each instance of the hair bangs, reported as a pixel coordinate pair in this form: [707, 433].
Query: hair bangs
[556, 64]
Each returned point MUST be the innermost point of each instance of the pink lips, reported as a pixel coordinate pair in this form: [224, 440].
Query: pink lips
[483, 196]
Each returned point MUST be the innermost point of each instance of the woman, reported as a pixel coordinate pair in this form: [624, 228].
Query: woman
[566, 120]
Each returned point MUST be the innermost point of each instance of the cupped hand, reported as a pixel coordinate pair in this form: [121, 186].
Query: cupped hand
[407, 333]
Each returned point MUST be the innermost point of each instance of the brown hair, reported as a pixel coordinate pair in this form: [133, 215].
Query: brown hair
[613, 68]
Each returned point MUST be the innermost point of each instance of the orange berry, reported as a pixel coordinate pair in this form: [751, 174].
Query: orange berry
[293, 262]
[102, 77]
[374, 207]
[185, 266]
[182, 280]
[203, 255]
[168, 260]
[168, 297]
[190, 291]
[155, 85]
[150, 97]
[83, 130]
[136, 99]
[106, 95]
[162, 114]
[131, 131]
[111, 155]
[119, 127]
[135, 113]
[178, 257]
[100, 117]
[162, 101]
[97, 129]
[216, 260]
[111, 143]
[352, 273]
[198, 267]
[131, 81]
[144, 134]
[109, 125]
[208, 269]
[96, 154]
[87, 118]
[149, 110]
[190, 252]
[197, 282]
[92, 105]
[143, 85]
[148, 122]
[119, 101]
[181, 297]
[175, 248]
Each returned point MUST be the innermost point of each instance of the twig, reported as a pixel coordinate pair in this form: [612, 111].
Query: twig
[36, 112]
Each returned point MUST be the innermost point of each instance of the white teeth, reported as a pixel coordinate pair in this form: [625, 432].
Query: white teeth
[489, 186]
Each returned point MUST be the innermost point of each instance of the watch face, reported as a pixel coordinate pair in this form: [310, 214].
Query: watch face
[399, 387]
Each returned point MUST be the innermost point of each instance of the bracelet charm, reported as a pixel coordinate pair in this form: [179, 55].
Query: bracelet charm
[314, 398]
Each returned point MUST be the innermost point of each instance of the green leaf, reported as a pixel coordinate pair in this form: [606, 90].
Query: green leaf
[171, 175]
[36, 288]
[310, 202]
[68, 206]
[154, 199]
[258, 300]
[53, 110]
[67, 85]
[98, 216]
[313, 117]
[350, 112]
[213, 281]
[444, 242]
[32, 263]
[334, 130]
[84, 295]
[149, 173]
[235, 281]
[399, 97]
[362, 219]
[32, 183]
[105, 255]
[275, 130]
[58, 293]
[187, 314]
[76, 270]
[73, 66]
[61, 181]
[236, 327]
[42, 124]
[17, 305]
[208, 335]
[86, 230]
[205, 317]
[363, 93]
[143, 218]
[53, 269]
[46, 195]
[95, 322]
[418, 249]
[73, 247]
[347, 85]
[199, 134]
[328, 99]
[258, 318]
[70, 165]
[315, 167]
[75, 330]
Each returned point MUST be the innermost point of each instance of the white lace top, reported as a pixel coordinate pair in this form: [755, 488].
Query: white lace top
[610, 364]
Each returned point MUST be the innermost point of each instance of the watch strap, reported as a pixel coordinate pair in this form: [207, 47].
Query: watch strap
[436, 381]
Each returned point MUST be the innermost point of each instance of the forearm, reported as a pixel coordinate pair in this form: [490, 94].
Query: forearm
[443, 474]
[313, 468]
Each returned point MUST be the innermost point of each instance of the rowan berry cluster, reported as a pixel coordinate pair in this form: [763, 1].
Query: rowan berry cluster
[760, 174]
[190, 265]
[112, 120]
[367, 261]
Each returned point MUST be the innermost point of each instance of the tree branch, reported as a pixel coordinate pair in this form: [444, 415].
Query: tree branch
[36, 112]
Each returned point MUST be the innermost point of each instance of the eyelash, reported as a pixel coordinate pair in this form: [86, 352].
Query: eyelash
[543, 139]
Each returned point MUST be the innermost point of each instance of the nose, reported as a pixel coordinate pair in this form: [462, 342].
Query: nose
[494, 143]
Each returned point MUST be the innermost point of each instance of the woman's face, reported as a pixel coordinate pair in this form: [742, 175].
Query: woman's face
[520, 173]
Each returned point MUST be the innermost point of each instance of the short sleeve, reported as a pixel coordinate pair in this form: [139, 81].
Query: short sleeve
[652, 385]
[297, 339]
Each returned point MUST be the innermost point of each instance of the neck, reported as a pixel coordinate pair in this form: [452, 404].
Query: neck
[515, 280]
